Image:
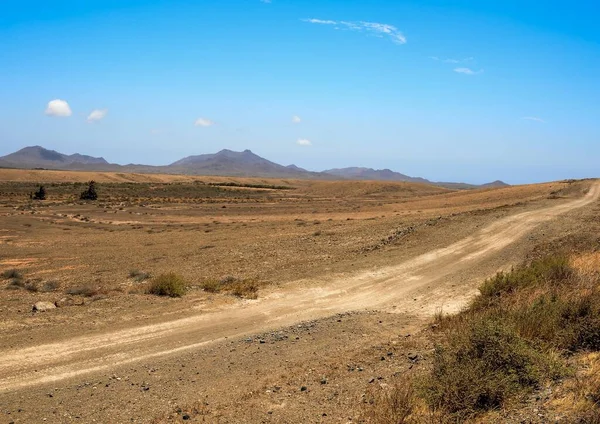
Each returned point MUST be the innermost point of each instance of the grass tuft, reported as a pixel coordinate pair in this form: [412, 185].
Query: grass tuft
[171, 285]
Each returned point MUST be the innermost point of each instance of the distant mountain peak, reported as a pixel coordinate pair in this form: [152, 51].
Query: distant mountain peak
[38, 156]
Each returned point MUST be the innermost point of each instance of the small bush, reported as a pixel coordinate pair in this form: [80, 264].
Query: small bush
[86, 291]
[89, 193]
[138, 275]
[12, 274]
[170, 284]
[50, 286]
[31, 286]
[40, 194]
[16, 284]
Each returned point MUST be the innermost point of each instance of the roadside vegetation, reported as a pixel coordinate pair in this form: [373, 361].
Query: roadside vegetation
[246, 288]
[534, 326]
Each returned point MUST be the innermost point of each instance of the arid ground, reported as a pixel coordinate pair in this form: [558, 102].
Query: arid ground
[346, 276]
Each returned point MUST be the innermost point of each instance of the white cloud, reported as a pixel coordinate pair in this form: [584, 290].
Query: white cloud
[303, 142]
[203, 122]
[266, 1]
[467, 71]
[58, 108]
[374, 28]
[97, 115]
[534, 118]
[296, 119]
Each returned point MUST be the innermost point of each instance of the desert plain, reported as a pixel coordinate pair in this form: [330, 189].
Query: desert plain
[301, 295]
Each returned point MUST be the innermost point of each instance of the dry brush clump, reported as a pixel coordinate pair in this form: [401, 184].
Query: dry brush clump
[513, 339]
[170, 284]
[245, 288]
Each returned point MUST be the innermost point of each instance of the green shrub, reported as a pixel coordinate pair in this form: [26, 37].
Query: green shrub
[170, 284]
[551, 269]
[40, 194]
[480, 365]
[89, 193]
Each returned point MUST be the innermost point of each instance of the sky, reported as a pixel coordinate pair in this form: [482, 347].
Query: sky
[457, 90]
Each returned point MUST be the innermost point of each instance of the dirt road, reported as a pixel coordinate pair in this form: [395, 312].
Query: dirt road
[415, 286]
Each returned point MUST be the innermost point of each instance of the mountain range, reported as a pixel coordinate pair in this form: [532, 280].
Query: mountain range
[223, 163]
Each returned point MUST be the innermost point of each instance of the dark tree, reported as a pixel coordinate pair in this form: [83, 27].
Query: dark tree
[90, 192]
[40, 194]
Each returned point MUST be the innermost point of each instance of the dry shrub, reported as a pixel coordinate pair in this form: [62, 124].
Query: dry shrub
[171, 285]
[14, 274]
[139, 276]
[86, 290]
[50, 286]
[509, 341]
[391, 404]
[243, 288]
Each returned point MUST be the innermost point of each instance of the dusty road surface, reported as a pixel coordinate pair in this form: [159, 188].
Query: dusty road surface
[412, 287]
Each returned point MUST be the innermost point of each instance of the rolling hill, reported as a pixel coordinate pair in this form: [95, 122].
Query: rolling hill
[223, 163]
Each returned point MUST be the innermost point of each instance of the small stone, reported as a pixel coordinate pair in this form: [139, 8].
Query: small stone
[323, 380]
[303, 388]
[413, 356]
[185, 417]
[372, 380]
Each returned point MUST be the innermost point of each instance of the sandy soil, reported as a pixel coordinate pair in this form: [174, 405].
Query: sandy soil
[132, 358]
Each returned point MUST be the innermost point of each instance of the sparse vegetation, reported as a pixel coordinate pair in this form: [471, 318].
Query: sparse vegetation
[243, 288]
[171, 285]
[14, 274]
[511, 340]
[392, 405]
[139, 276]
[40, 194]
[86, 290]
[89, 193]
[50, 286]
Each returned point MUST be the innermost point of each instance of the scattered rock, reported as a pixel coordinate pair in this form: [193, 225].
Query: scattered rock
[413, 356]
[303, 388]
[43, 306]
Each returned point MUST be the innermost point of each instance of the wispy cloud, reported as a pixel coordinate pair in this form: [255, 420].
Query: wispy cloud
[97, 115]
[296, 119]
[58, 108]
[373, 28]
[452, 61]
[303, 142]
[467, 71]
[266, 1]
[203, 122]
[533, 118]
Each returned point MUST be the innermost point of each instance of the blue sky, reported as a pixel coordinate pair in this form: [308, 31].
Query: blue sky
[448, 90]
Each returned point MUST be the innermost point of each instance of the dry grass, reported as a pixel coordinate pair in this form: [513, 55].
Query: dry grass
[391, 404]
[86, 290]
[246, 288]
[517, 336]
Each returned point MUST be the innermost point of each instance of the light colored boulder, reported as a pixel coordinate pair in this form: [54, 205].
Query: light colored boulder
[43, 306]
